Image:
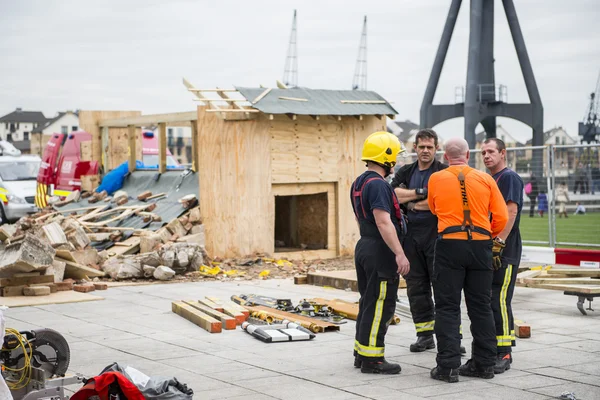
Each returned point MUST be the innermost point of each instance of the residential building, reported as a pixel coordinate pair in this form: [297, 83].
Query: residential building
[16, 127]
[514, 158]
[63, 122]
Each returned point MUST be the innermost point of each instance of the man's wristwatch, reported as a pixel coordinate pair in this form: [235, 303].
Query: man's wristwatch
[499, 240]
[421, 192]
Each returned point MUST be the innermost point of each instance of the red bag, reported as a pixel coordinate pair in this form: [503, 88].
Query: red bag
[107, 384]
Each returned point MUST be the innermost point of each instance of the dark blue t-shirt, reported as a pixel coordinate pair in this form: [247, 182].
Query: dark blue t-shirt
[377, 194]
[511, 187]
[419, 180]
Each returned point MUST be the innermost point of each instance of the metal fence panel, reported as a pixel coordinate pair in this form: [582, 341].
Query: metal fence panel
[578, 167]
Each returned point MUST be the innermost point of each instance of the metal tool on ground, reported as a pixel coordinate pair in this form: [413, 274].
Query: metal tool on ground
[34, 364]
[257, 300]
[285, 332]
[314, 325]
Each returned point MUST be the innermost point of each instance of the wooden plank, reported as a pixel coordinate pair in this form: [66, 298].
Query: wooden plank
[60, 297]
[211, 304]
[77, 271]
[583, 289]
[292, 98]
[261, 96]
[197, 317]
[162, 148]
[231, 308]
[522, 276]
[89, 183]
[228, 322]
[129, 246]
[85, 149]
[581, 272]
[26, 280]
[177, 118]
[132, 144]
[12, 291]
[560, 281]
[195, 152]
[522, 329]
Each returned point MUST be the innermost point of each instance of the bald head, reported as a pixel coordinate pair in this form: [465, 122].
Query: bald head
[456, 150]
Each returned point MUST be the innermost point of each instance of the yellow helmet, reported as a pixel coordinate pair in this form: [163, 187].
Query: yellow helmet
[382, 148]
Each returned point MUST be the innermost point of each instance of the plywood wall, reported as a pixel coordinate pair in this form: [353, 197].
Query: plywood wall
[117, 143]
[244, 164]
[236, 203]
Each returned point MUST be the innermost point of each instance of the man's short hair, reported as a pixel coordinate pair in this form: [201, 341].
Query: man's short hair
[499, 143]
[426, 134]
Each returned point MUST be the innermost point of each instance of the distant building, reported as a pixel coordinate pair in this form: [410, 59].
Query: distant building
[17, 127]
[513, 157]
[63, 122]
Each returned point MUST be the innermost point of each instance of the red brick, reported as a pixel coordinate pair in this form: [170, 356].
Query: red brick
[84, 288]
[100, 285]
[63, 286]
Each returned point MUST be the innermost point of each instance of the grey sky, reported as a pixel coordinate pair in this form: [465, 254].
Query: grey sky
[132, 54]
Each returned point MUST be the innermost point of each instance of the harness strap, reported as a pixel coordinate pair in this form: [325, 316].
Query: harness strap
[467, 224]
[357, 197]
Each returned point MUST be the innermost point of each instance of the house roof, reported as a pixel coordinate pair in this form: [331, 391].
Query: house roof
[23, 145]
[317, 101]
[407, 127]
[24, 116]
[48, 122]
[550, 133]
[500, 132]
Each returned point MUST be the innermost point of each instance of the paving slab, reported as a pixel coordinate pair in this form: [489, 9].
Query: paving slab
[134, 326]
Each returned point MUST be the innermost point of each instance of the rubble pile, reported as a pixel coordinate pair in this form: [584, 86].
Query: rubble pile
[84, 245]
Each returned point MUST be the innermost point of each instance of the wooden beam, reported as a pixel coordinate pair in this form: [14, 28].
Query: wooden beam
[105, 150]
[378, 116]
[271, 117]
[225, 100]
[291, 116]
[339, 118]
[162, 148]
[260, 96]
[183, 118]
[281, 85]
[363, 102]
[244, 110]
[211, 90]
[391, 116]
[223, 95]
[292, 98]
[358, 117]
[195, 150]
[315, 117]
[197, 317]
[227, 321]
[197, 93]
[132, 142]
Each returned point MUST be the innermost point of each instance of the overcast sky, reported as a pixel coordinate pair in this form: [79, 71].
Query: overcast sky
[131, 54]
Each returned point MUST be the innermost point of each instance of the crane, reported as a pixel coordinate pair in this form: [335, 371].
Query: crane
[360, 72]
[290, 73]
[590, 127]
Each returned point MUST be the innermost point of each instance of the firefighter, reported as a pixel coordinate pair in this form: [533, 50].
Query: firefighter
[410, 184]
[379, 256]
[506, 265]
[462, 198]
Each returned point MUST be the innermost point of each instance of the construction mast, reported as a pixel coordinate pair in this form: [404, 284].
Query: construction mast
[290, 73]
[360, 71]
[590, 127]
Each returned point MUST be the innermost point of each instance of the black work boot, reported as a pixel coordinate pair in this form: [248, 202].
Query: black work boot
[357, 362]
[380, 367]
[423, 343]
[503, 362]
[445, 374]
[472, 368]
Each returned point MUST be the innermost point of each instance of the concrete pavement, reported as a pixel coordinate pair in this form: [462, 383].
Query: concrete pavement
[134, 326]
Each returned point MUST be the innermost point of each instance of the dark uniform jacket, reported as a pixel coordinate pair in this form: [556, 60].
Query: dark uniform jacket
[405, 172]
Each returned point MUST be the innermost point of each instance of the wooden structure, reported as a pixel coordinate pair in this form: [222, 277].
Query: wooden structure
[117, 136]
[279, 182]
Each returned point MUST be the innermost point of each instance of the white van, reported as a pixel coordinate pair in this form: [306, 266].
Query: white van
[18, 183]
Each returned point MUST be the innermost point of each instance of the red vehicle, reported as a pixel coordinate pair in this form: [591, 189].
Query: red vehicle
[61, 168]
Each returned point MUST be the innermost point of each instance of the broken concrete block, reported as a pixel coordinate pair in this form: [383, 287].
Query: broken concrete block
[194, 216]
[76, 234]
[163, 273]
[188, 201]
[197, 229]
[144, 195]
[34, 253]
[148, 270]
[87, 257]
[183, 259]
[164, 234]
[168, 258]
[99, 237]
[149, 243]
[100, 286]
[128, 267]
[7, 231]
[57, 269]
[84, 288]
[36, 291]
[176, 228]
[55, 234]
[120, 193]
[52, 287]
